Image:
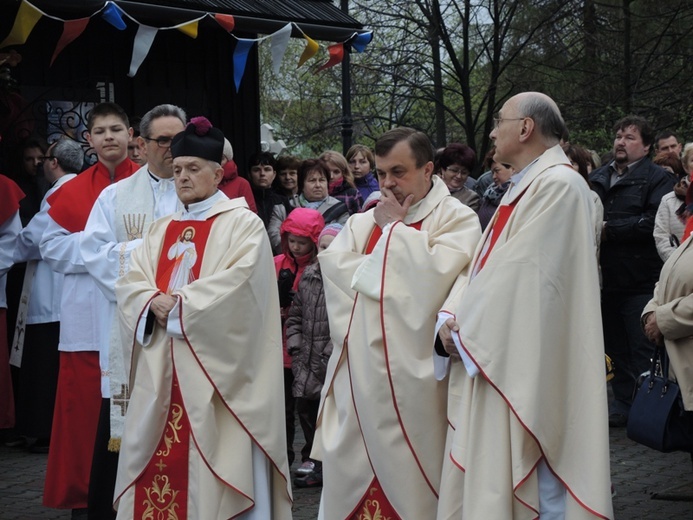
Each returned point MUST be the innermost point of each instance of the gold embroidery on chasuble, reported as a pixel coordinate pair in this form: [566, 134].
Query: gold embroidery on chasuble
[161, 492]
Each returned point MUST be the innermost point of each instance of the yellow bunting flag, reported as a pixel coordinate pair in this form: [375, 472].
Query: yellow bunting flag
[310, 50]
[189, 29]
[27, 16]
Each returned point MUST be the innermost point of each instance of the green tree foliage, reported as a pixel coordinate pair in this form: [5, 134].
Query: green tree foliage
[446, 67]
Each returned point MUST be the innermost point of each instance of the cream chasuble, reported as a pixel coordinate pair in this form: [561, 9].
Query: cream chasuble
[530, 323]
[382, 413]
[226, 366]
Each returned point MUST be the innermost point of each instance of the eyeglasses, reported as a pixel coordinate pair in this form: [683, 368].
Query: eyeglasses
[457, 171]
[497, 120]
[162, 142]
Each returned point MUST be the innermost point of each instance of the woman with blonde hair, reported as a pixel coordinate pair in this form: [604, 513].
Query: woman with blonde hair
[342, 185]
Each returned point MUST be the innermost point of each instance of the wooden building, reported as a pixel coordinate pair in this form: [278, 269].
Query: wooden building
[194, 73]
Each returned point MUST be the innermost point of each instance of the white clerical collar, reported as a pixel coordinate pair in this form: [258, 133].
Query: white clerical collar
[198, 210]
[516, 178]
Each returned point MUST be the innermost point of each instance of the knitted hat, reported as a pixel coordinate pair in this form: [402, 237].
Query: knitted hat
[199, 139]
[331, 230]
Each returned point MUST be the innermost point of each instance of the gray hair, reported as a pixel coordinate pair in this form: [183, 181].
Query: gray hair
[545, 114]
[69, 154]
[158, 111]
[228, 150]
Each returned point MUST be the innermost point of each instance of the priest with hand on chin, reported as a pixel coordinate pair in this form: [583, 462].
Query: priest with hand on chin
[204, 434]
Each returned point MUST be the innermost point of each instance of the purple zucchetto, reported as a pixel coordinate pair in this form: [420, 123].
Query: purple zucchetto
[199, 139]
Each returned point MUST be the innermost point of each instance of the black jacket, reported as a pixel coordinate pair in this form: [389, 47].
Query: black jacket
[629, 259]
[265, 200]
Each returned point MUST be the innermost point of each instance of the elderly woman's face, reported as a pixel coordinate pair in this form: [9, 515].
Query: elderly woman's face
[501, 174]
[455, 176]
[315, 186]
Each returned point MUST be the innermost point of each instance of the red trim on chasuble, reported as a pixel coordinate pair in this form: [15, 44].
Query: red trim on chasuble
[161, 491]
[374, 505]
[181, 254]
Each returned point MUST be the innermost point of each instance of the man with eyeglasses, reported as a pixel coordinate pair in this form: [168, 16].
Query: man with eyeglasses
[526, 366]
[78, 398]
[120, 217]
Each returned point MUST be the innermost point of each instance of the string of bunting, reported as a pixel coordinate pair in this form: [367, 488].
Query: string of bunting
[28, 16]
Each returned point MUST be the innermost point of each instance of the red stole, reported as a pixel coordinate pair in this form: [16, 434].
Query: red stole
[500, 219]
[72, 203]
[375, 503]
[11, 195]
[378, 232]
[161, 491]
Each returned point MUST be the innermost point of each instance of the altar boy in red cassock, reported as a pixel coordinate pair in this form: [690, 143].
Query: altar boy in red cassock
[199, 310]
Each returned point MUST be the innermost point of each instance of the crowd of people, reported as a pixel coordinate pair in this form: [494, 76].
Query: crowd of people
[440, 338]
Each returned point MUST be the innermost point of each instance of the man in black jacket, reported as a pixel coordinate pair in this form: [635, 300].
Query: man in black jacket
[630, 188]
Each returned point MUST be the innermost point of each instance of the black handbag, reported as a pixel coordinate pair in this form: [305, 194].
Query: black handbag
[657, 418]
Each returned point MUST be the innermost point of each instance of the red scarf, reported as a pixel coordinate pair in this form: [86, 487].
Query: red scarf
[10, 195]
[72, 203]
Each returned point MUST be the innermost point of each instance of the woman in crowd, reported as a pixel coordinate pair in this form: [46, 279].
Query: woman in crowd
[494, 193]
[342, 185]
[362, 164]
[670, 220]
[668, 318]
[582, 162]
[286, 181]
[272, 207]
[313, 180]
[455, 162]
[687, 158]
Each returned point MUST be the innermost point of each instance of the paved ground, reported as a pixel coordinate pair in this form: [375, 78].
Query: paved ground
[638, 474]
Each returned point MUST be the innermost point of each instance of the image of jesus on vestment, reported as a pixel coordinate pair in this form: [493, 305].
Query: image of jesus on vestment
[184, 256]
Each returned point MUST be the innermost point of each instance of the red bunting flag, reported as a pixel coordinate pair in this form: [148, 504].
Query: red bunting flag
[336, 56]
[226, 21]
[71, 31]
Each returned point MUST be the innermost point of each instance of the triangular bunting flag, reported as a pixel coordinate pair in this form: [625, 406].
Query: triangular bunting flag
[310, 50]
[71, 31]
[336, 56]
[361, 40]
[143, 42]
[189, 29]
[226, 21]
[280, 41]
[27, 17]
[240, 57]
[112, 15]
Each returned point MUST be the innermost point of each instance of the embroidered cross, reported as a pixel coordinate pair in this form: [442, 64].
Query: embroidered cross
[134, 225]
[160, 465]
[122, 399]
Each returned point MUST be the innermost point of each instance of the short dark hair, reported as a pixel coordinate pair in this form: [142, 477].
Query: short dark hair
[420, 144]
[308, 166]
[287, 162]
[643, 126]
[262, 159]
[664, 134]
[107, 109]
[579, 156]
[457, 153]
